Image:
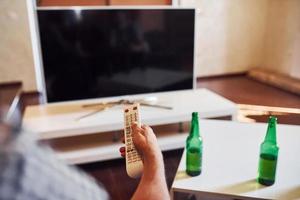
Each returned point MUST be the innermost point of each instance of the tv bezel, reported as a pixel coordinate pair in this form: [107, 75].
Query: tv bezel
[37, 51]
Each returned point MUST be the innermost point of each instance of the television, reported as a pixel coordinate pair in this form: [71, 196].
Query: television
[96, 52]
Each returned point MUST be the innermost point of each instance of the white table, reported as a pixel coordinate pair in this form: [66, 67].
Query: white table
[230, 161]
[60, 120]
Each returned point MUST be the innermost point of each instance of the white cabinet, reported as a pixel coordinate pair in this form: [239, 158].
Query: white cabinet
[58, 122]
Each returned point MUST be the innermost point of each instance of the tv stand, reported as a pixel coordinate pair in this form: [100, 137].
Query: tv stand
[96, 137]
[100, 107]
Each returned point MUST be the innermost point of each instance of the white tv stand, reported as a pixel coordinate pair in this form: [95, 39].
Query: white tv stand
[90, 139]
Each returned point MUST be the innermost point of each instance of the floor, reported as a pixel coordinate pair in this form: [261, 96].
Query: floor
[8, 93]
[246, 91]
[239, 89]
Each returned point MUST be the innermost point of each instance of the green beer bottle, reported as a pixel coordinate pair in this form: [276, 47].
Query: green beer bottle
[268, 155]
[194, 148]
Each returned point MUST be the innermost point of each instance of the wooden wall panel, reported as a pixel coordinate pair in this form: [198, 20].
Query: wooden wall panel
[72, 2]
[140, 2]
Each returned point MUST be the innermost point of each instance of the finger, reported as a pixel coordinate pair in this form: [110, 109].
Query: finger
[137, 135]
[136, 129]
[135, 125]
[146, 128]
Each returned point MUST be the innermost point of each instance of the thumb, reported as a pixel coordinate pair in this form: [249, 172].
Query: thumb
[137, 136]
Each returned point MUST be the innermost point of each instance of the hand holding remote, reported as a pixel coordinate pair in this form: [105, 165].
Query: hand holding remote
[145, 141]
[134, 163]
[152, 184]
[140, 141]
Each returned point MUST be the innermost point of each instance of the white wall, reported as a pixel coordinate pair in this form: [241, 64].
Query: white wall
[16, 60]
[230, 34]
[282, 41]
[236, 35]
[233, 36]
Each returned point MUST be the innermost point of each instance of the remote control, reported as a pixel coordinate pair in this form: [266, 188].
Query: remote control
[134, 163]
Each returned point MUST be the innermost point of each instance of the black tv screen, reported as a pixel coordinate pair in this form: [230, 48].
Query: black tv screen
[91, 53]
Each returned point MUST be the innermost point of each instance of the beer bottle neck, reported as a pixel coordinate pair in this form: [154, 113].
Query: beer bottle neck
[195, 127]
[271, 132]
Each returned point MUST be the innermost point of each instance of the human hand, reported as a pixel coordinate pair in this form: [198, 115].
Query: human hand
[144, 140]
[153, 182]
